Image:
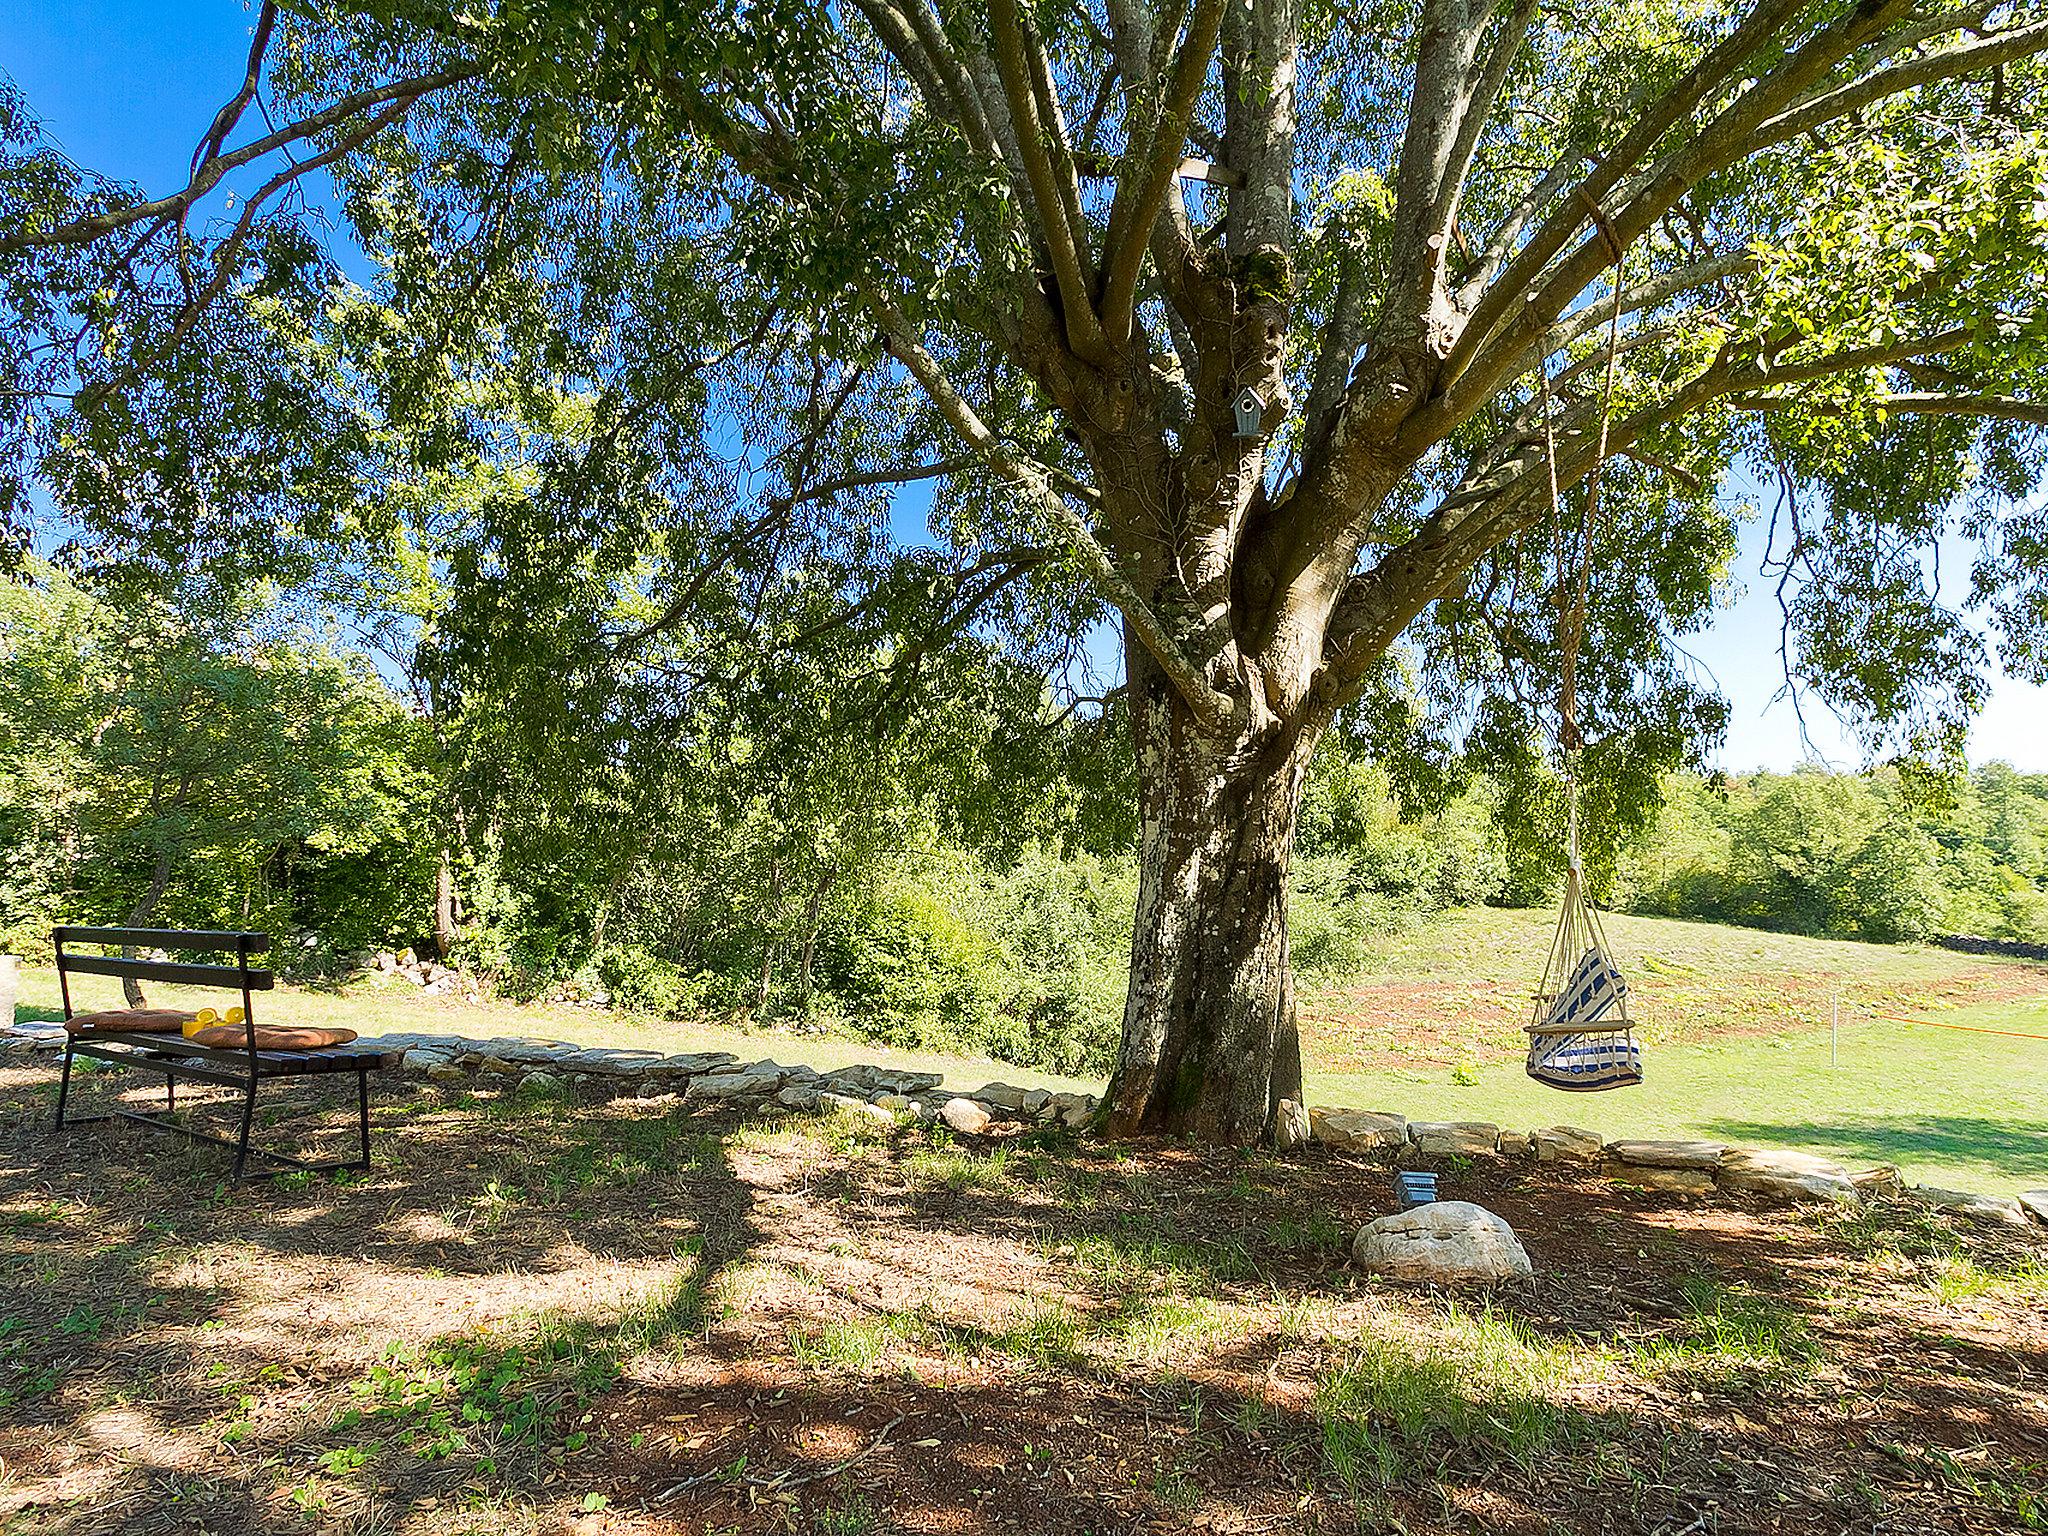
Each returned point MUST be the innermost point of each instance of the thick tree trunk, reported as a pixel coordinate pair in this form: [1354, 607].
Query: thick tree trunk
[1209, 1044]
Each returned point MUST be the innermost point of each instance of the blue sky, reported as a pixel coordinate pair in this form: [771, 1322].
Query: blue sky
[128, 86]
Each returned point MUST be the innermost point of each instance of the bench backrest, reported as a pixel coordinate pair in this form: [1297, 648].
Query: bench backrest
[241, 976]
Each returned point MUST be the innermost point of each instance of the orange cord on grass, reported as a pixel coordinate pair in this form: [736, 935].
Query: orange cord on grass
[1975, 1029]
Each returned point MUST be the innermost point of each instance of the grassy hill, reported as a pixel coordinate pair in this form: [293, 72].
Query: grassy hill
[1736, 1025]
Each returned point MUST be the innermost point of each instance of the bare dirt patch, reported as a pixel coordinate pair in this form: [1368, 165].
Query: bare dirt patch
[541, 1315]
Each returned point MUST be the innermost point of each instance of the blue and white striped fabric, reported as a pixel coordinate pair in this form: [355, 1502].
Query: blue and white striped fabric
[1607, 1058]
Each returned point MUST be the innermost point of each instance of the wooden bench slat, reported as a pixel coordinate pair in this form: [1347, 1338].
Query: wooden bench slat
[180, 972]
[166, 938]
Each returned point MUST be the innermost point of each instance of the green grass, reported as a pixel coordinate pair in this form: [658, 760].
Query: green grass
[377, 1006]
[1735, 1020]
[1951, 1108]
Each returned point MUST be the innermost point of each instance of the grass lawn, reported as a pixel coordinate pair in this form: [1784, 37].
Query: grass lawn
[1736, 1024]
[375, 1005]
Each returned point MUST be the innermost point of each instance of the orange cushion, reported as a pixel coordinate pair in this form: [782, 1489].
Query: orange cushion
[274, 1037]
[127, 1021]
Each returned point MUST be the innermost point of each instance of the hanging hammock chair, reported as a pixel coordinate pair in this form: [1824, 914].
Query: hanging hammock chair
[1581, 1037]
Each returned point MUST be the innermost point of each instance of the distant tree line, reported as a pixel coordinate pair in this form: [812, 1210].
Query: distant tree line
[960, 877]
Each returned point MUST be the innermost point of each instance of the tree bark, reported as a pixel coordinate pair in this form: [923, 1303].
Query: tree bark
[140, 913]
[1209, 1044]
[444, 906]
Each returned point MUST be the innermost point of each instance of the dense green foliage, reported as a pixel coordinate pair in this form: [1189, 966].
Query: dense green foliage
[955, 885]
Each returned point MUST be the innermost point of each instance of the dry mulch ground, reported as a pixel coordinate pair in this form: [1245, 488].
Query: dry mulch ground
[542, 1315]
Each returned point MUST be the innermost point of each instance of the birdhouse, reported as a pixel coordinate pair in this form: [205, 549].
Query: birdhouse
[1251, 410]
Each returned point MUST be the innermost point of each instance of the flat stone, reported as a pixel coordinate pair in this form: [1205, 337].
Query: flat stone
[1357, 1130]
[1676, 1181]
[1516, 1144]
[419, 1059]
[447, 1072]
[1884, 1182]
[1454, 1138]
[896, 1103]
[1036, 1102]
[797, 1096]
[697, 1061]
[1973, 1207]
[965, 1116]
[1290, 1126]
[1077, 1116]
[1703, 1156]
[1567, 1144]
[1448, 1242]
[1789, 1177]
[717, 1088]
[1001, 1095]
[2035, 1203]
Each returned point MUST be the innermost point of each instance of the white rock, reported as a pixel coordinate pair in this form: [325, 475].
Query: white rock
[1290, 1126]
[1454, 1138]
[1566, 1144]
[965, 1116]
[1791, 1177]
[1974, 1207]
[1700, 1155]
[2035, 1203]
[1357, 1130]
[1448, 1242]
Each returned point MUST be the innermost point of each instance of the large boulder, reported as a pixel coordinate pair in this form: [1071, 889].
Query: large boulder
[1700, 1156]
[1357, 1130]
[1454, 1138]
[1290, 1125]
[2035, 1203]
[1955, 1202]
[1449, 1242]
[1567, 1144]
[1788, 1177]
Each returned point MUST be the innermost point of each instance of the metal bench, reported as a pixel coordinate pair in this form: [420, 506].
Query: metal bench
[179, 1059]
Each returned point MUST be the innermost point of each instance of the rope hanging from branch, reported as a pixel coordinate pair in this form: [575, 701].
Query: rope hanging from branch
[1581, 1037]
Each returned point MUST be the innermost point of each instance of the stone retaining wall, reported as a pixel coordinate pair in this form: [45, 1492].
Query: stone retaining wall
[1683, 1167]
[696, 1077]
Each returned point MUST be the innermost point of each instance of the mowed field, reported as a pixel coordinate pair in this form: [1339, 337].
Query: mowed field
[1736, 1024]
[1738, 1047]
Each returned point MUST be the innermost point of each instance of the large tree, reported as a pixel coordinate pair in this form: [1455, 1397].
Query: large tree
[1259, 313]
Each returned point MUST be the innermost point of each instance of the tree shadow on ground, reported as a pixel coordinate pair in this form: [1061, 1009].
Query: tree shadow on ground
[2001, 1148]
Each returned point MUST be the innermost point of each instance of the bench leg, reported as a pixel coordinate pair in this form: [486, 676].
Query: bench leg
[248, 1118]
[170, 1094]
[363, 1111]
[64, 1084]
